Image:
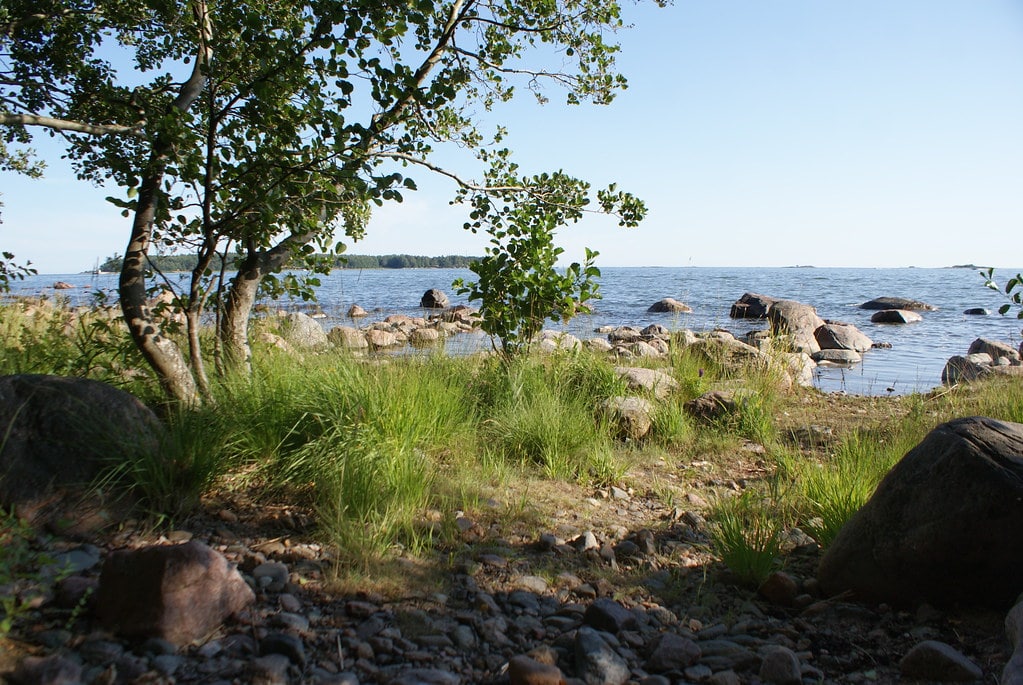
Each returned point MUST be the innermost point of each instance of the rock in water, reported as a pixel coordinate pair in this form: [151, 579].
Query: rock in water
[797, 320]
[669, 305]
[836, 336]
[434, 299]
[897, 303]
[943, 525]
[896, 316]
[751, 306]
[178, 593]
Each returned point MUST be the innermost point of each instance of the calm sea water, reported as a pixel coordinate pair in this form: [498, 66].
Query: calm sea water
[914, 363]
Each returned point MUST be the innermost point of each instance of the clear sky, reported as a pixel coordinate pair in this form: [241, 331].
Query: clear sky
[856, 133]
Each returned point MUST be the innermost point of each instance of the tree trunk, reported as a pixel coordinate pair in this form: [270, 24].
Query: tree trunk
[162, 353]
[234, 322]
[241, 297]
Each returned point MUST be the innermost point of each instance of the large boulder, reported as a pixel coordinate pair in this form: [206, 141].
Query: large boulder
[348, 337]
[712, 406]
[624, 334]
[751, 306]
[798, 321]
[960, 369]
[302, 331]
[632, 415]
[728, 351]
[669, 305]
[943, 526]
[842, 336]
[179, 593]
[997, 350]
[434, 299]
[378, 338]
[657, 383]
[58, 435]
[836, 357]
[898, 303]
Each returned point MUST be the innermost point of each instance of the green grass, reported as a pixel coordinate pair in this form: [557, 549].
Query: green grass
[371, 445]
[746, 533]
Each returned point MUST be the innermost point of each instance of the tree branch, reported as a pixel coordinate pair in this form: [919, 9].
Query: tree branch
[68, 125]
[411, 159]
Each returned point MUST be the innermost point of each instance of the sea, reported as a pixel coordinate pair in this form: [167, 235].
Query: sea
[913, 363]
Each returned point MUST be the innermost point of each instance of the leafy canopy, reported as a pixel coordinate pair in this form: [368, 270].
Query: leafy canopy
[267, 127]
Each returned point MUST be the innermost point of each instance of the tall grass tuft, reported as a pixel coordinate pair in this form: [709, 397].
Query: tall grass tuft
[363, 440]
[829, 493]
[747, 532]
[541, 413]
[169, 479]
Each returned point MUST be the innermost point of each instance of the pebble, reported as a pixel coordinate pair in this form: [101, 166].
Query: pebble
[271, 576]
[673, 653]
[609, 616]
[271, 669]
[288, 602]
[780, 666]
[523, 670]
[596, 662]
[532, 584]
[933, 660]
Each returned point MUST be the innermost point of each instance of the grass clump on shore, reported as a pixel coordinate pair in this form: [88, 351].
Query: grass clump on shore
[746, 531]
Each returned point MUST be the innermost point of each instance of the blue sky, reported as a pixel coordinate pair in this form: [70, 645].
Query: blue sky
[869, 133]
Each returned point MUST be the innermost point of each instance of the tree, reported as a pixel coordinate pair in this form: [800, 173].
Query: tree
[518, 284]
[262, 128]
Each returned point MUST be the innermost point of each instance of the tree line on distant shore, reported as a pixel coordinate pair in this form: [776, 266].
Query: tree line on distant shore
[390, 261]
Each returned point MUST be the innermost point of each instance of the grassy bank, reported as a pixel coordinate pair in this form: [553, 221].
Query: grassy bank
[383, 452]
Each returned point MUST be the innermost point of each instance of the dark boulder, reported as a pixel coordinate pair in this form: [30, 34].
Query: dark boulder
[896, 316]
[59, 435]
[178, 593]
[997, 350]
[712, 406]
[897, 303]
[434, 299]
[751, 306]
[976, 311]
[943, 526]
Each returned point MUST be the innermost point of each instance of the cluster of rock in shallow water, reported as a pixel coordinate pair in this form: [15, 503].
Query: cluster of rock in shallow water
[797, 335]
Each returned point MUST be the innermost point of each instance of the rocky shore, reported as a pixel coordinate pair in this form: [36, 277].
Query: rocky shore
[619, 589]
